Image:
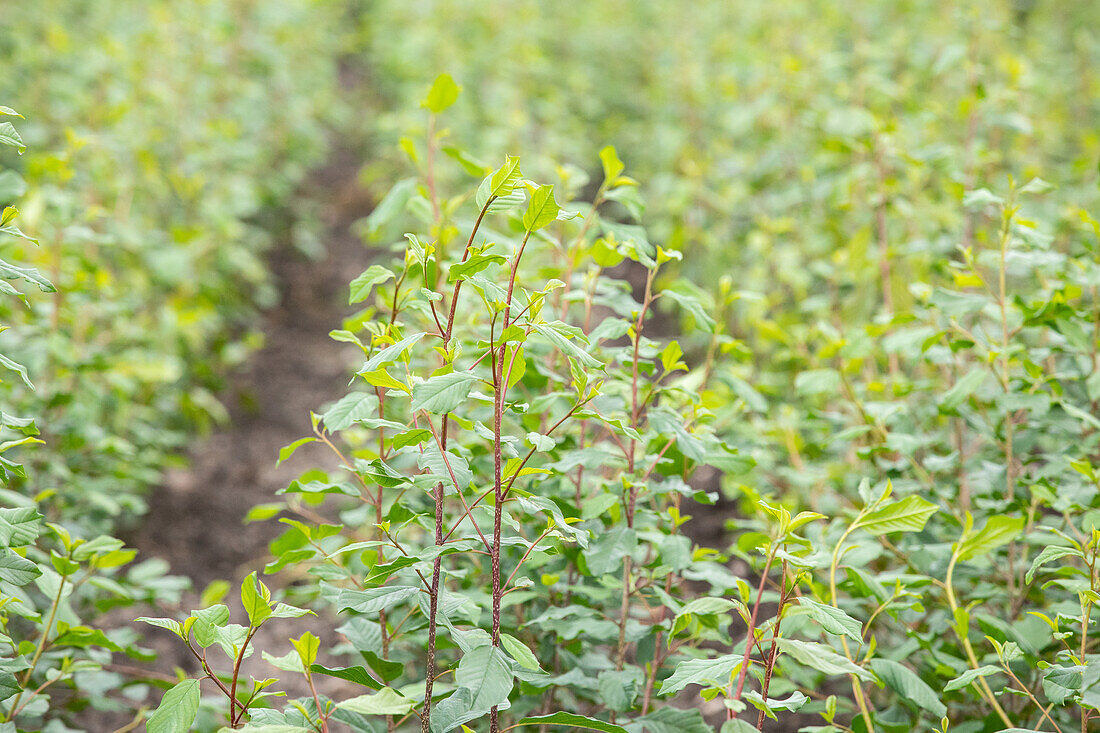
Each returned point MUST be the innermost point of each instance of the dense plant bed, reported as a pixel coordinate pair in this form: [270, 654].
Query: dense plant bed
[501, 532]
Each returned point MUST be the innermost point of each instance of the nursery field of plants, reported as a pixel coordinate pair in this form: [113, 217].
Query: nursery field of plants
[637, 367]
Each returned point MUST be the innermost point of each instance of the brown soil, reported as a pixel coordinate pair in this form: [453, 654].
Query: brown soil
[196, 518]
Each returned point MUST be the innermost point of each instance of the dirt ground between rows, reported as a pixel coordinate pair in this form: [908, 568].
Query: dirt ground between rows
[195, 520]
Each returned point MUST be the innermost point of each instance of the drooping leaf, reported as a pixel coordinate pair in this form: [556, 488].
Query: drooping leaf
[969, 676]
[177, 709]
[1062, 684]
[706, 672]
[348, 409]
[362, 285]
[1049, 553]
[473, 265]
[573, 720]
[821, 658]
[442, 393]
[16, 569]
[832, 619]
[909, 686]
[373, 600]
[486, 673]
[287, 451]
[358, 675]
[998, 531]
[519, 652]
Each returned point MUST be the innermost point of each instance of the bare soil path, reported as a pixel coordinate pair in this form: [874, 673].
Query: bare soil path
[195, 520]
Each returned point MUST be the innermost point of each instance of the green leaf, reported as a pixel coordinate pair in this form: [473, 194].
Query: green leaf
[673, 720]
[391, 353]
[16, 569]
[562, 337]
[389, 208]
[206, 622]
[9, 685]
[1062, 684]
[519, 652]
[1051, 552]
[289, 662]
[387, 668]
[287, 451]
[612, 166]
[433, 460]
[469, 163]
[443, 393]
[443, 93]
[909, 686]
[619, 688]
[416, 436]
[821, 658]
[908, 515]
[382, 378]
[473, 265]
[98, 546]
[968, 677]
[82, 637]
[9, 136]
[255, 598]
[832, 619]
[998, 531]
[605, 555]
[165, 623]
[707, 605]
[693, 306]
[962, 390]
[500, 183]
[484, 678]
[17, 368]
[20, 526]
[177, 709]
[306, 645]
[8, 271]
[572, 720]
[452, 712]
[372, 600]
[358, 675]
[706, 672]
[362, 286]
[386, 701]
[542, 210]
[485, 671]
[379, 573]
[348, 409]
[792, 702]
